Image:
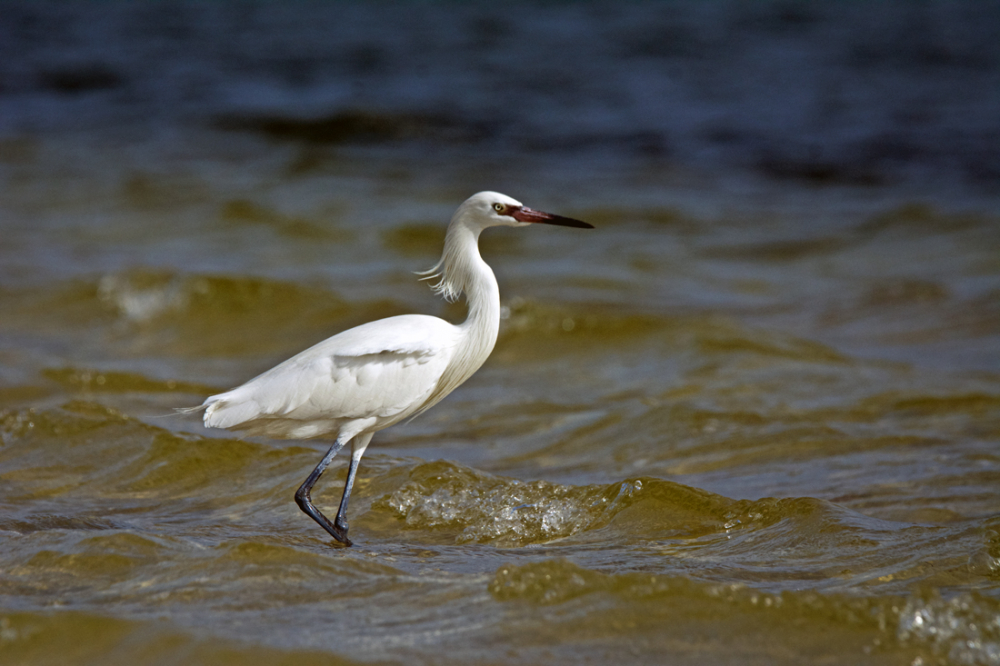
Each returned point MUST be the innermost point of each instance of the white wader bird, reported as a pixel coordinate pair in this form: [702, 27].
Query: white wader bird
[375, 375]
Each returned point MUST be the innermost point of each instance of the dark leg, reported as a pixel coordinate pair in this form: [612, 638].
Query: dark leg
[341, 521]
[304, 501]
[358, 447]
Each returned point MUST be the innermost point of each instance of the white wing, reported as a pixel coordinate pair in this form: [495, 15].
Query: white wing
[377, 373]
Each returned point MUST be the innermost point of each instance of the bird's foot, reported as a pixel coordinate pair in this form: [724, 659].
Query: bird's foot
[342, 538]
[339, 532]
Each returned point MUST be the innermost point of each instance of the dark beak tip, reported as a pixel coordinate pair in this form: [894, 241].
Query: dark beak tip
[578, 224]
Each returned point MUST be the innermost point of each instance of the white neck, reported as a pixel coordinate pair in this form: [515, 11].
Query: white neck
[482, 294]
[462, 270]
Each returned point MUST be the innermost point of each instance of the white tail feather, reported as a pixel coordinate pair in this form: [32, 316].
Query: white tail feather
[223, 414]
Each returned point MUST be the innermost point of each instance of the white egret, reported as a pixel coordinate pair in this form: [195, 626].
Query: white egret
[375, 375]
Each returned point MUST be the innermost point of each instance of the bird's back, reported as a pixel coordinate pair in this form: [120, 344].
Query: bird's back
[366, 378]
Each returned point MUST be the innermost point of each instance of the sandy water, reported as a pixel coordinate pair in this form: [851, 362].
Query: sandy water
[752, 417]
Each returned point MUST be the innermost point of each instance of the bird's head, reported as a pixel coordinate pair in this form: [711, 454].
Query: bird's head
[458, 262]
[492, 209]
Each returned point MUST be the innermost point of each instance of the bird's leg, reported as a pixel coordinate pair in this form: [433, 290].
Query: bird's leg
[358, 447]
[304, 501]
[340, 522]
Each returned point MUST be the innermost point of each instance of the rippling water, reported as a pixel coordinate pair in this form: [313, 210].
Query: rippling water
[752, 418]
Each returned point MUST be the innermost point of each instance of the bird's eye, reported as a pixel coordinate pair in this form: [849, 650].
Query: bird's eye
[498, 207]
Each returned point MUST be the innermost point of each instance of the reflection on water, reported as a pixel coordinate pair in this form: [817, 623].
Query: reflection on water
[752, 418]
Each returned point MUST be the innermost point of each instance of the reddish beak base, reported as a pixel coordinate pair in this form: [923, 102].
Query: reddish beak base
[525, 214]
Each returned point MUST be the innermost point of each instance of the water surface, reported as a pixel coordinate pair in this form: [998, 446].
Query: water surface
[752, 418]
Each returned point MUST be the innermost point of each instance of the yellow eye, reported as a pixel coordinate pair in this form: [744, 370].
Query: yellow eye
[498, 207]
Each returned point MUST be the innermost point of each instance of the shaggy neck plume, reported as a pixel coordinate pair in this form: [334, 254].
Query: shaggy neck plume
[462, 270]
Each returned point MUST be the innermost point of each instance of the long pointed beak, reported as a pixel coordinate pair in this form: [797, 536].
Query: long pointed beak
[525, 214]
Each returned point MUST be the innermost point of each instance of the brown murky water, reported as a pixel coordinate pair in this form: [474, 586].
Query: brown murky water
[751, 418]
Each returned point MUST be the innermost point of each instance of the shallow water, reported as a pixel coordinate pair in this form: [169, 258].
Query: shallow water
[752, 417]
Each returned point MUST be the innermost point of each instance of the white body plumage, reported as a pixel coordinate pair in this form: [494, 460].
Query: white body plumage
[364, 379]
